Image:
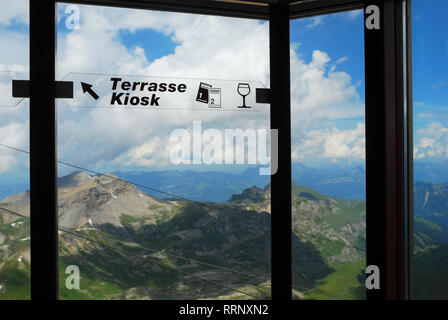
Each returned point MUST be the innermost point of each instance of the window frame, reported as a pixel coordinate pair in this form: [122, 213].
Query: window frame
[388, 134]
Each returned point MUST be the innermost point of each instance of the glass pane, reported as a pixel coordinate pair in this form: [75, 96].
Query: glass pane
[328, 156]
[14, 159]
[430, 81]
[156, 200]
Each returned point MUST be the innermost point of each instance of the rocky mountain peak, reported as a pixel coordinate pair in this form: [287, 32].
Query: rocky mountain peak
[253, 193]
[74, 179]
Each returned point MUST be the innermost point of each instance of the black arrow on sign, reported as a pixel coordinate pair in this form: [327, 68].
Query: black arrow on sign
[88, 88]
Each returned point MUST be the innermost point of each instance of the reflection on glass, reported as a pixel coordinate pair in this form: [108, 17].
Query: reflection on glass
[430, 80]
[328, 155]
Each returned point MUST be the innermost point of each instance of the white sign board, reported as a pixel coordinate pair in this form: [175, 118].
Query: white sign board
[121, 91]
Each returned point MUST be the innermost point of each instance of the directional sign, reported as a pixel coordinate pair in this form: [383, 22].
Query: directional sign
[163, 93]
[88, 88]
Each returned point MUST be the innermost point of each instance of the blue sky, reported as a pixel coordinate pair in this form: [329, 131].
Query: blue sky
[341, 35]
[430, 51]
[146, 39]
[430, 62]
[430, 78]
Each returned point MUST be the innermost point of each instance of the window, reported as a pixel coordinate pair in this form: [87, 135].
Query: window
[155, 200]
[163, 151]
[328, 156]
[15, 258]
[430, 80]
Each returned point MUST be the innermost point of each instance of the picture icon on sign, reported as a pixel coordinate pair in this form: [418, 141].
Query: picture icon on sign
[203, 92]
[243, 90]
[215, 98]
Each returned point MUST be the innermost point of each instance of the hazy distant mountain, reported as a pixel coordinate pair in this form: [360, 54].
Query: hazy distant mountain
[343, 181]
[9, 189]
[339, 181]
[431, 202]
[431, 172]
[348, 183]
[197, 185]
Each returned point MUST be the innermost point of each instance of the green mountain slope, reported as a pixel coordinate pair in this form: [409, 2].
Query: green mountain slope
[430, 274]
[336, 227]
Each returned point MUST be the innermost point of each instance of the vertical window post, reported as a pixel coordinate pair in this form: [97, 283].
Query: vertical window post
[281, 181]
[43, 214]
[386, 165]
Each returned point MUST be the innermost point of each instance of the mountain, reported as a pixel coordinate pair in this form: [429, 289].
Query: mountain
[252, 194]
[100, 200]
[428, 234]
[338, 181]
[429, 278]
[431, 172]
[197, 185]
[431, 202]
[342, 182]
[132, 245]
[431, 215]
[335, 227]
[430, 241]
[9, 189]
[74, 179]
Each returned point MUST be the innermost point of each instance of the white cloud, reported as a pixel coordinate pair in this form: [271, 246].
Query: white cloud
[437, 85]
[226, 48]
[341, 60]
[14, 11]
[431, 141]
[352, 15]
[426, 115]
[153, 152]
[418, 103]
[317, 91]
[206, 47]
[315, 21]
[13, 134]
[14, 56]
[14, 51]
[331, 144]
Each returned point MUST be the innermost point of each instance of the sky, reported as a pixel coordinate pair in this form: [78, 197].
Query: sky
[327, 83]
[430, 79]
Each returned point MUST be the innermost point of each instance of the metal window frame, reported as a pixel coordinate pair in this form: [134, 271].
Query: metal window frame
[389, 149]
[210, 7]
[43, 168]
[388, 139]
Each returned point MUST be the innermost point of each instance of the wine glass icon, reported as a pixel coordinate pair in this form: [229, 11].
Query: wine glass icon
[243, 90]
